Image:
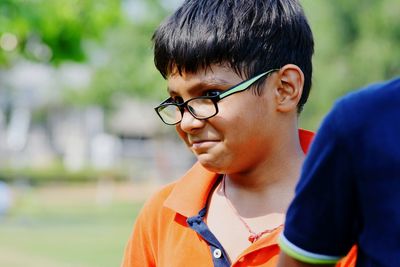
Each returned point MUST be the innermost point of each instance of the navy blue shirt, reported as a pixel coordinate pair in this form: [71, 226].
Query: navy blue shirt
[349, 190]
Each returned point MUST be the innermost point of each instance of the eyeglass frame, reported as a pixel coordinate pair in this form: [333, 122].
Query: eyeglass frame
[240, 87]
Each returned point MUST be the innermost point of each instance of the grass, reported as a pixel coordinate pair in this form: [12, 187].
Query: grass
[60, 231]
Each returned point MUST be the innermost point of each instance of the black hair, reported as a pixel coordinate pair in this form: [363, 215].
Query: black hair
[251, 36]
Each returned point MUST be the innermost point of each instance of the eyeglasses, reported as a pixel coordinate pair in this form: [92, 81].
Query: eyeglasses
[202, 107]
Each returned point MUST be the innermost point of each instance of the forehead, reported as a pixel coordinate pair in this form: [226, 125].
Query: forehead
[215, 75]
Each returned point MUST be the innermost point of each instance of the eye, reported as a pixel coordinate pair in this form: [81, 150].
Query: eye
[212, 92]
[176, 99]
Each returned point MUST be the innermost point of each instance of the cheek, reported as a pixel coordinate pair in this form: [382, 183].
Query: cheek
[181, 134]
[243, 129]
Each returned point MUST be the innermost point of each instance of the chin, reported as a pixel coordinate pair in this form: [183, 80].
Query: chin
[210, 163]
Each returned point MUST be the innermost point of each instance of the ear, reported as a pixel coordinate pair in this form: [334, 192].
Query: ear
[289, 88]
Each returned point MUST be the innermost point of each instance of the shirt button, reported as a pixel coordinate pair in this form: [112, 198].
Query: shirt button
[217, 253]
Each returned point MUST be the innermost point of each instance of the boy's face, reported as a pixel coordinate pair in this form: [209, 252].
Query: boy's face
[240, 135]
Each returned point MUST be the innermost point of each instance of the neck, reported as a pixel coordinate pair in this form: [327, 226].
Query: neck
[279, 168]
[261, 185]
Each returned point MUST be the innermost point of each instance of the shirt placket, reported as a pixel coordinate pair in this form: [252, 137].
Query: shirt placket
[219, 256]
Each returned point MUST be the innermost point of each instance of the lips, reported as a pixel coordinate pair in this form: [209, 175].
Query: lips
[196, 141]
[202, 144]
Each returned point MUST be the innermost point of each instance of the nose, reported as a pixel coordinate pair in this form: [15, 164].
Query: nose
[189, 123]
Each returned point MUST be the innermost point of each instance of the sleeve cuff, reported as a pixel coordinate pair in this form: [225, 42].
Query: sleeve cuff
[305, 256]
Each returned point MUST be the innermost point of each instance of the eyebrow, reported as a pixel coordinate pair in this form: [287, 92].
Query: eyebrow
[212, 82]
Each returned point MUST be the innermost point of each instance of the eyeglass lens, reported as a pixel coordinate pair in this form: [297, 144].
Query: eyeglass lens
[200, 108]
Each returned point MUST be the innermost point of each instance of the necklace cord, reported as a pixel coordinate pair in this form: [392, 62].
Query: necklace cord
[253, 235]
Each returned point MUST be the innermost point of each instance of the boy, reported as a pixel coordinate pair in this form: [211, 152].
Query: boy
[238, 73]
[349, 190]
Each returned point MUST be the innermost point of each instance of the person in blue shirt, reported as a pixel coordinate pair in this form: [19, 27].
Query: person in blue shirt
[349, 190]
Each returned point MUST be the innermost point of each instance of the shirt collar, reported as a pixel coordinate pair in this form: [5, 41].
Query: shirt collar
[191, 192]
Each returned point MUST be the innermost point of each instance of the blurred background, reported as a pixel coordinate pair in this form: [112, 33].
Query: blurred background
[81, 147]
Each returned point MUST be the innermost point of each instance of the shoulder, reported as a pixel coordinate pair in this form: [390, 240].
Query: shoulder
[362, 108]
[374, 98]
[153, 216]
[141, 249]
[155, 203]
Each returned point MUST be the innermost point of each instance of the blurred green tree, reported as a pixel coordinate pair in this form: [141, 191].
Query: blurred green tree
[356, 43]
[53, 31]
[128, 66]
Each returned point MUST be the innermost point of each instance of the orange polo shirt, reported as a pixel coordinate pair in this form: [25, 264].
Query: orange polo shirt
[161, 235]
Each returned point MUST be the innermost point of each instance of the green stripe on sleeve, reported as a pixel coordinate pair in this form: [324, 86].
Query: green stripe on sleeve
[303, 255]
